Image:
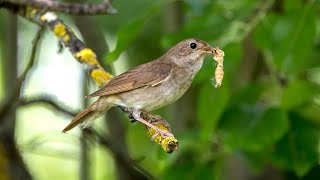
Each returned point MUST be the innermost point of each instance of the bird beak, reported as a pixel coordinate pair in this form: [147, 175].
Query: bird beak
[207, 50]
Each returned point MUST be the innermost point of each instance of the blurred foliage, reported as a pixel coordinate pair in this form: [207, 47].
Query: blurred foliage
[270, 117]
[266, 113]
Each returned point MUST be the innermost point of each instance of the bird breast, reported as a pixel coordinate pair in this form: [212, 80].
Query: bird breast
[164, 93]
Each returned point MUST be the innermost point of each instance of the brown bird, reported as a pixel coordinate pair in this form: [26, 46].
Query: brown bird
[149, 86]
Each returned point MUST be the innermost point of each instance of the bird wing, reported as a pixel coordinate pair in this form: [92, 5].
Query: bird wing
[149, 74]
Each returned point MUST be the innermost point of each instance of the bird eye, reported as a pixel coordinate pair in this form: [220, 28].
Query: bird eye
[193, 45]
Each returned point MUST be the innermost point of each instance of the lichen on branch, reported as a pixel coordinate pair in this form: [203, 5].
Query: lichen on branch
[169, 143]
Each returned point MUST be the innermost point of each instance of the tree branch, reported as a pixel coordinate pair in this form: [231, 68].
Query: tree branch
[14, 98]
[70, 8]
[47, 100]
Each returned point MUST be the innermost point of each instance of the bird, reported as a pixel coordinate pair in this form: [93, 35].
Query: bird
[148, 86]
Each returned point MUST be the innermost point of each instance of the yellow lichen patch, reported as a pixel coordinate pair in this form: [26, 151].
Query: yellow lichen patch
[88, 56]
[66, 38]
[59, 30]
[31, 12]
[100, 76]
[168, 144]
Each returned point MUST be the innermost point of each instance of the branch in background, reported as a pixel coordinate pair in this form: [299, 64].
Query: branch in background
[13, 100]
[71, 8]
[48, 101]
[113, 119]
[66, 36]
[104, 140]
[87, 57]
[12, 163]
[126, 161]
[243, 28]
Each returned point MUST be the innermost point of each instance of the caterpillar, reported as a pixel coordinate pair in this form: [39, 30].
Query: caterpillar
[218, 56]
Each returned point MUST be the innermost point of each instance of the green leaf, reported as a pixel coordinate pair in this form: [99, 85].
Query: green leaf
[182, 169]
[297, 93]
[263, 33]
[233, 55]
[188, 166]
[292, 5]
[211, 104]
[127, 34]
[298, 149]
[309, 111]
[250, 128]
[249, 94]
[288, 38]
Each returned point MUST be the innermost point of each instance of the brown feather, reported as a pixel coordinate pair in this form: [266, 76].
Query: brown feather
[79, 118]
[148, 74]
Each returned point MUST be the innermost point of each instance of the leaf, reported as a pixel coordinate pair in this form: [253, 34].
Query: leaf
[128, 33]
[249, 94]
[298, 149]
[288, 38]
[309, 111]
[252, 129]
[182, 169]
[297, 93]
[188, 166]
[211, 104]
[292, 5]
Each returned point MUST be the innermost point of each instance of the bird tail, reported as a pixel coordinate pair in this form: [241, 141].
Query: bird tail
[87, 116]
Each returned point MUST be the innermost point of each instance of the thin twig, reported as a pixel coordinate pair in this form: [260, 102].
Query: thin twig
[32, 56]
[48, 101]
[70, 8]
[13, 100]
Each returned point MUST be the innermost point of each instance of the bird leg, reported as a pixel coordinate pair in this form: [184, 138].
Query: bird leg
[130, 116]
[155, 119]
[137, 115]
[132, 119]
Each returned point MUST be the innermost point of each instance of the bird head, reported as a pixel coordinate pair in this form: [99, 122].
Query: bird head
[190, 51]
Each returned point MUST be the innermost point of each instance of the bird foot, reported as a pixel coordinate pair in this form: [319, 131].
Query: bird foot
[160, 120]
[136, 114]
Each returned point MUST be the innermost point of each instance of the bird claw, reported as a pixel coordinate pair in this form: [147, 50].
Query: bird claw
[163, 122]
[136, 114]
[162, 133]
[154, 136]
